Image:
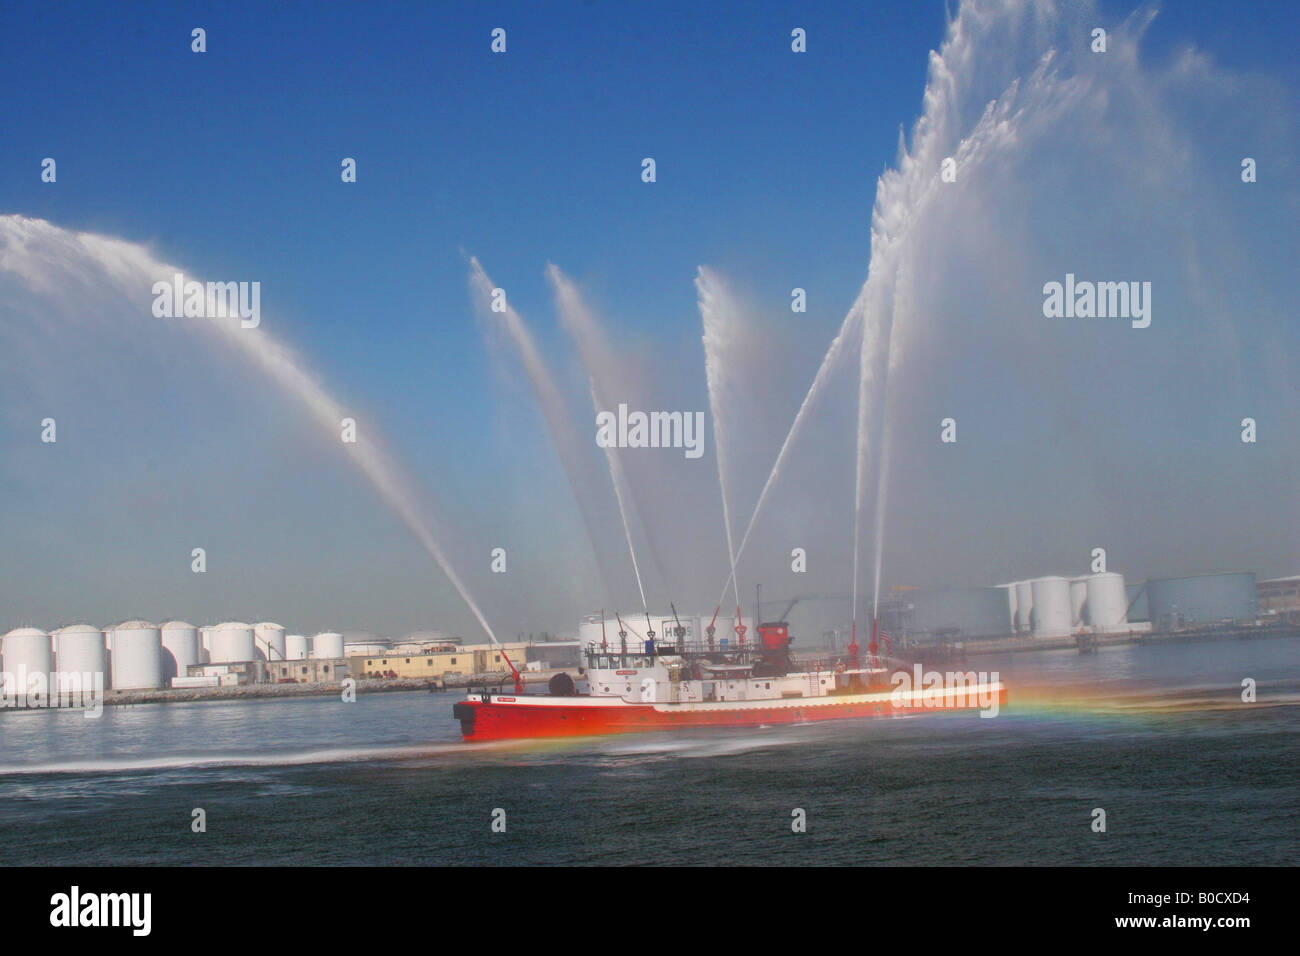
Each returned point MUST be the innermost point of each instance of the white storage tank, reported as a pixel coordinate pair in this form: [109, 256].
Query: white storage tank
[327, 645]
[80, 649]
[108, 652]
[1107, 601]
[137, 656]
[589, 631]
[232, 642]
[369, 648]
[1078, 599]
[1024, 606]
[181, 648]
[25, 651]
[1011, 606]
[1050, 615]
[270, 640]
[296, 647]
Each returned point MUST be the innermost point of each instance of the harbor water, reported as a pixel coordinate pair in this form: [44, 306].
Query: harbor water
[1186, 772]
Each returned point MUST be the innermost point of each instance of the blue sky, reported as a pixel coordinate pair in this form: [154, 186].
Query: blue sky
[228, 162]
[767, 161]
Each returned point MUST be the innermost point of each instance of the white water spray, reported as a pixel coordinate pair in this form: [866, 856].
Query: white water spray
[49, 258]
[915, 189]
[597, 361]
[616, 476]
[717, 318]
[830, 362]
[559, 420]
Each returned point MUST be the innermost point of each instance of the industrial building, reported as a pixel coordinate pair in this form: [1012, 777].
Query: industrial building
[947, 614]
[1202, 599]
[1279, 598]
[308, 671]
[228, 674]
[466, 660]
[1137, 602]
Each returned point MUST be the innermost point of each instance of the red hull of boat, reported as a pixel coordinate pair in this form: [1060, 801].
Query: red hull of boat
[507, 718]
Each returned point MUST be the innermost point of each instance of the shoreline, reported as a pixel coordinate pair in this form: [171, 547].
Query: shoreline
[1088, 642]
[171, 695]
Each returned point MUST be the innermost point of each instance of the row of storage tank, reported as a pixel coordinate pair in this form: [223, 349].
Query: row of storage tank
[1055, 605]
[138, 655]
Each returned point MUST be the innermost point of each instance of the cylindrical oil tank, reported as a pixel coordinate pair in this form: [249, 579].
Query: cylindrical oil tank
[26, 651]
[232, 642]
[1107, 601]
[1202, 599]
[327, 645]
[270, 640]
[181, 648]
[108, 652]
[1024, 606]
[296, 647]
[1050, 615]
[1078, 600]
[370, 637]
[1011, 606]
[372, 648]
[589, 631]
[137, 656]
[79, 649]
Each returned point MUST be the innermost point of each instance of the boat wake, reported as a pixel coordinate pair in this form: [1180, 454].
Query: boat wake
[324, 755]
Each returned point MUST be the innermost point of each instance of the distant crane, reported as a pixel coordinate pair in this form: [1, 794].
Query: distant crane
[805, 597]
